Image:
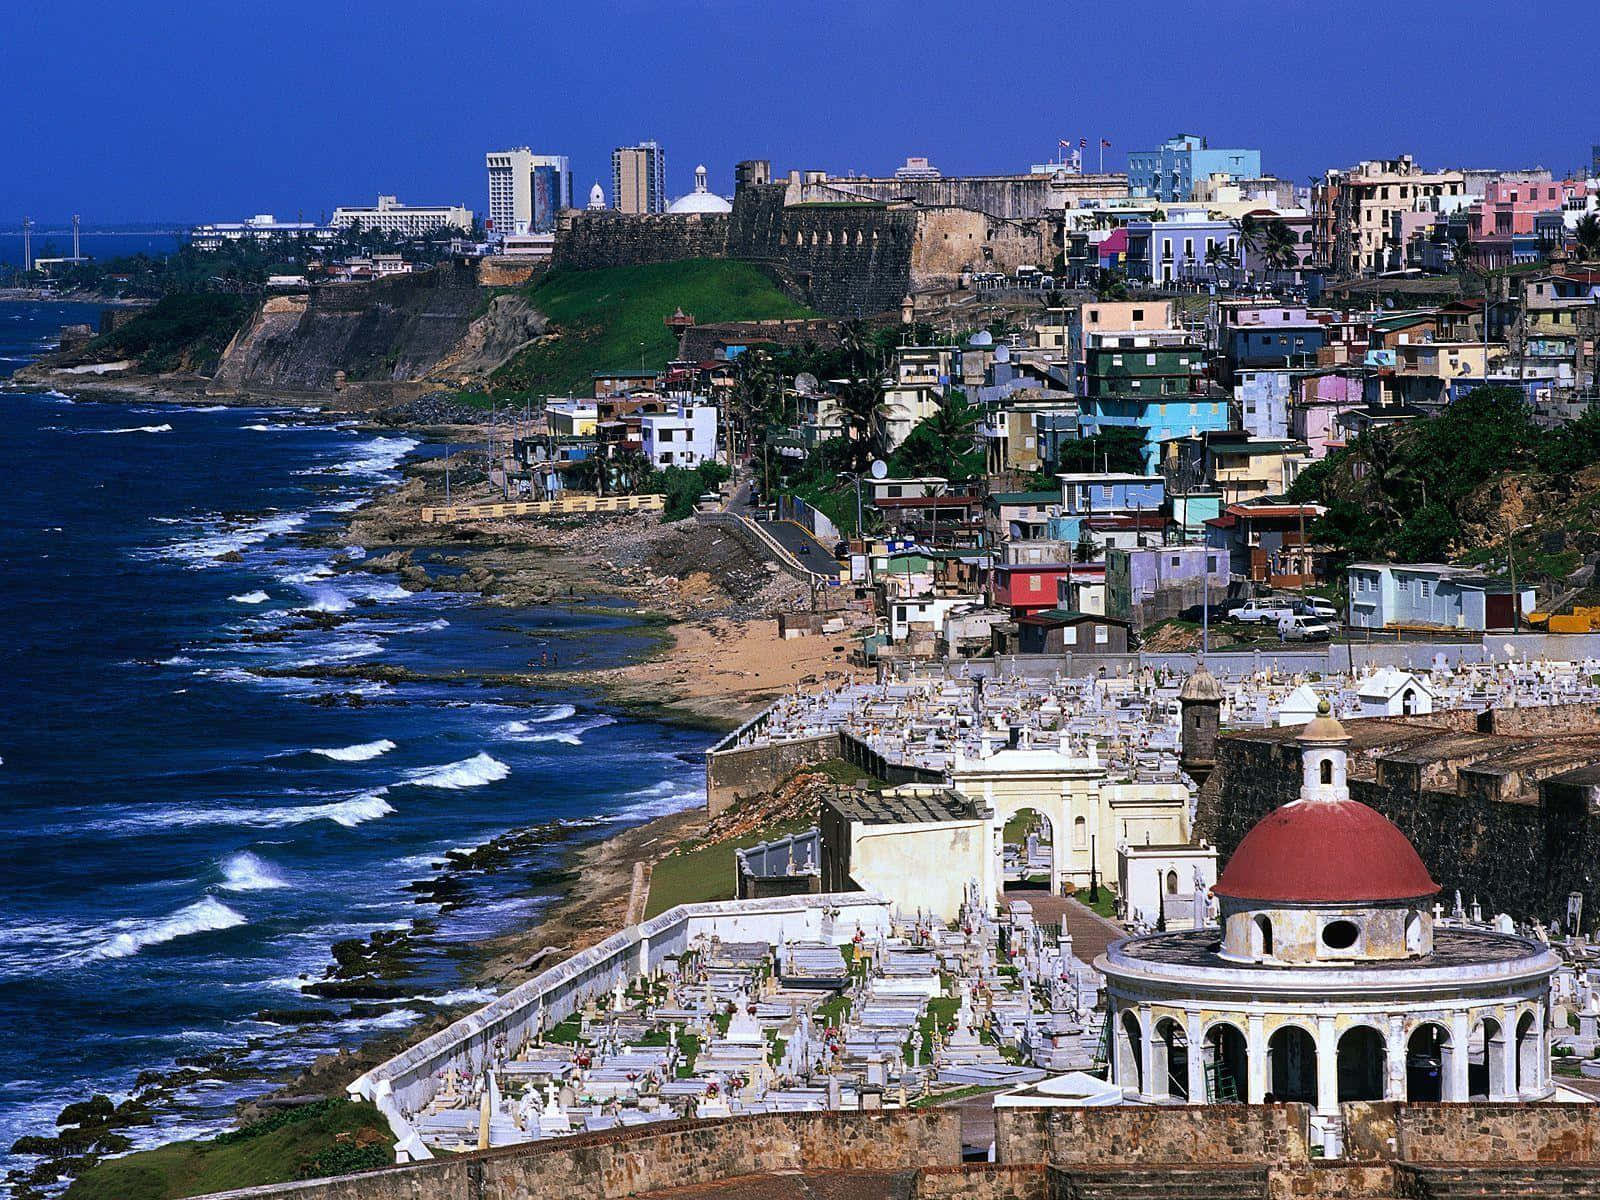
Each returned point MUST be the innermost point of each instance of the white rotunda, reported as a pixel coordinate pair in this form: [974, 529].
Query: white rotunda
[702, 199]
[1328, 980]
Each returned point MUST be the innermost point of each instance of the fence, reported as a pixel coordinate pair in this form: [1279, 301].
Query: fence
[566, 506]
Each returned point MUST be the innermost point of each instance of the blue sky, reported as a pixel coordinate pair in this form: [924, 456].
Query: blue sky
[210, 110]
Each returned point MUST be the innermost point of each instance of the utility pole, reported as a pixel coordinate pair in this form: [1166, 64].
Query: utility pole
[1516, 596]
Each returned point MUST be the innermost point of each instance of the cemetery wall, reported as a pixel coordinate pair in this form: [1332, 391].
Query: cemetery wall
[1128, 1136]
[737, 774]
[1477, 1133]
[607, 1166]
[984, 1181]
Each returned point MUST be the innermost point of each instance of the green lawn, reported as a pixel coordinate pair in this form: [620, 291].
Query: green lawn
[613, 319]
[707, 872]
[294, 1144]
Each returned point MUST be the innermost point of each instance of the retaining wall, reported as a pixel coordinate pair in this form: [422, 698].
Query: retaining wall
[406, 1083]
[736, 774]
[1213, 1135]
[1473, 1133]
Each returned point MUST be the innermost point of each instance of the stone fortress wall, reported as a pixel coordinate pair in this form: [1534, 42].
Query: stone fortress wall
[1503, 806]
[1264, 1150]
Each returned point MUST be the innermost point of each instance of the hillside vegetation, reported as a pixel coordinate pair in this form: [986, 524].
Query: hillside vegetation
[181, 332]
[1452, 488]
[614, 319]
[330, 1137]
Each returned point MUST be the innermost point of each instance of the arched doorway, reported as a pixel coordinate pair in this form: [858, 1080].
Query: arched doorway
[1428, 1054]
[1486, 1061]
[1227, 1064]
[1261, 936]
[1028, 850]
[1528, 1053]
[1130, 1052]
[1170, 1070]
[1292, 1066]
[1363, 1064]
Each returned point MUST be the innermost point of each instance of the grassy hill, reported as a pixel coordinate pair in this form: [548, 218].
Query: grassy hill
[327, 1138]
[613, 318]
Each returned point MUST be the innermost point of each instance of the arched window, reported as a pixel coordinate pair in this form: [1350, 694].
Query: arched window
[1261, 940]
[1414, 933]
[1172, 883]
[1080, 833]
[1327, 770]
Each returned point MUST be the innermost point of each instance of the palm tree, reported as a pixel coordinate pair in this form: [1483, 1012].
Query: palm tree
[954, 430]
[1587, 236]
[865, 416]
[1219, 258]
[1109, 285]
[1278, 248]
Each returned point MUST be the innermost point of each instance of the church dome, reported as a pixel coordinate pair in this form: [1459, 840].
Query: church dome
[1325, 852]
[597, 196]
[702, 199]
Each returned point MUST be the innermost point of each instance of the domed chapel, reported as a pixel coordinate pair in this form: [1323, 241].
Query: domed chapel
[1328, 979]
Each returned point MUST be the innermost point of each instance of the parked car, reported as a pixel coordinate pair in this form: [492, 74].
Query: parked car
[1262, 612]
[1303, 629]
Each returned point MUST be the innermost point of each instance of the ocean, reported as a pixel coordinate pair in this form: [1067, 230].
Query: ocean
[189, 836]
[57, 243]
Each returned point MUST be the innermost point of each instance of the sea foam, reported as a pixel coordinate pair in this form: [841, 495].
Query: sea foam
[357, 753]
[469, 772]
[133, 936]
[136, 429]
[246, 872]
[255, 597]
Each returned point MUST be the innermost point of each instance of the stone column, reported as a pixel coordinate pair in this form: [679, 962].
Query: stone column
[1327, 1068]
[1456, 1058]
[1395, 1085]
[1256, 1071]
[1197, 1057]
[1150, 1088]
[1500, 1061]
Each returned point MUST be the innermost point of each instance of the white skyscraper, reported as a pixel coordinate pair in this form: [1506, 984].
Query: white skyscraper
[526, 190]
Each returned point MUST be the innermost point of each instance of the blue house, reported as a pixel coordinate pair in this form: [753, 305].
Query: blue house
[1169, 171]
[1161, 417]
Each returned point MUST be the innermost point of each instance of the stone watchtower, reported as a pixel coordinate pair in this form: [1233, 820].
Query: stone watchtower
[1201, 700]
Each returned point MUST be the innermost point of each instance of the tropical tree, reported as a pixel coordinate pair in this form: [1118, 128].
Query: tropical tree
[865, 417]
[1587, 236]
[946, 444]
[1277, 248]
[1109, 285]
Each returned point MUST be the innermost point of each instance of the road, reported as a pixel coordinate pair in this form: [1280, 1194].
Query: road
[792, 536]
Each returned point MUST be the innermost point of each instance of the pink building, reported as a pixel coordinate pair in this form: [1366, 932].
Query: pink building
[1316, 403]
[1503, 226]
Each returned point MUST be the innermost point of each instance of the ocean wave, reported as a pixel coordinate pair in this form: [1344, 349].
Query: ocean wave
[135, 429]
[462, 996]
[340, 650]
[357, 753]
[232, 540]
[328, 600]
[476, 771]
[255, 597]
[571, 735]
[659, 799]
[376, 457]
[246, 872]
[132, 936]
[348, 812]
[271, 427]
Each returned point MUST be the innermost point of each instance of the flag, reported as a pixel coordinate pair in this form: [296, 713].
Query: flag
[1105, 143]
[1083, 142]
[1063, 144]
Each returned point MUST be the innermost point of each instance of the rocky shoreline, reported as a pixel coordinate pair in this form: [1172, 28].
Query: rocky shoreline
[705, 604]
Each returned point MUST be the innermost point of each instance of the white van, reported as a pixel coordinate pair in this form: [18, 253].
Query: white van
[1303, 629]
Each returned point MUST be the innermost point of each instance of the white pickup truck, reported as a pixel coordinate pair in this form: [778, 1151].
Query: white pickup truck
[1263, 612]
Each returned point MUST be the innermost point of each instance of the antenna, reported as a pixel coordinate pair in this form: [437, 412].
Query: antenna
[27, 244]
[75, 252]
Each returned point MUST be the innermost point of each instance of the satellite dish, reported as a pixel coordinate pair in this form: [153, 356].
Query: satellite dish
[879, 469]
[805, 383]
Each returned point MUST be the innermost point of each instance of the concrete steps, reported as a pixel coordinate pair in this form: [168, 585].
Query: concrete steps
[1161, 1181]
[1502, 1181]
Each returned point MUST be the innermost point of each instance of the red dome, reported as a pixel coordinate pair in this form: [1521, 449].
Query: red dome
[1325, 852]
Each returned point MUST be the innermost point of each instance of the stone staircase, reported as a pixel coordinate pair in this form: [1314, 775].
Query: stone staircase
[1160, 1181]
[1500, 1181]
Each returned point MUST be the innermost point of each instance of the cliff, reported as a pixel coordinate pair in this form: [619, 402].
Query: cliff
[393, 329]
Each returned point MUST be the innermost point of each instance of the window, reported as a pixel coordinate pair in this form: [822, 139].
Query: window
[1102, 635]
[1172, 883]
[1149, 360]
[1340, 935]
[1033, 583]
[1138, 314]
[1327, 770]
[1080, 833]
[1094, 316]
[1069, 635]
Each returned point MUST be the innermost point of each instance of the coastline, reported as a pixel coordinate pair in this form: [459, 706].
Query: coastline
[713, 658]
